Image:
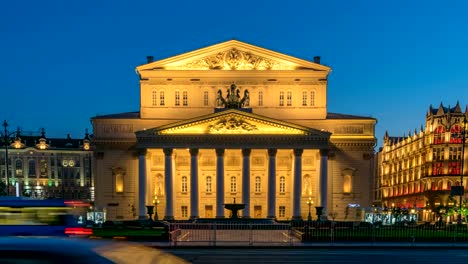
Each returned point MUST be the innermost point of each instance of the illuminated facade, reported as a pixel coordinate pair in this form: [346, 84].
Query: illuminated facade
[42, 167]
[419, 170]
[233, 121]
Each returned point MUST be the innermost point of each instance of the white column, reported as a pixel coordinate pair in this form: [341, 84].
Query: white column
[219, 183]
[271, 211]
[168, 185]
[194, 183]
[246, 182]
[142, 184]
[297, 183]
[323, 181]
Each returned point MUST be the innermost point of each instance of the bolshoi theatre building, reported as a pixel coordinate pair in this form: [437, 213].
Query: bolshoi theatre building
[228, 123]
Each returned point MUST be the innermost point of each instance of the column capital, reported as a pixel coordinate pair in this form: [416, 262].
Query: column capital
[219, 152]
[167, 151]
[272, 152]
[324, 152]
[246, 152]
[298, 152]
[193, 151]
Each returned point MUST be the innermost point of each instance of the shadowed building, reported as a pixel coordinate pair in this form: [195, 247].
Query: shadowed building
[233, 121]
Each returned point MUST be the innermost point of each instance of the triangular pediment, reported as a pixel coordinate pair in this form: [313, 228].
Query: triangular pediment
[234, 122]
[233, 55]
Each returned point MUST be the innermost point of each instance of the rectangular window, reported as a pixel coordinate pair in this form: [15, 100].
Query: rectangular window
[177, 98]
[454, 168]
[184, 184]
[233, 185]
[438, 154]
[208, 184]
[281, 99]
[289, 98]
[282, 186]
[119, 183]
[185, 98]
[455, 153]
[260, 98]
[161, 98]
[184, 210]
[304, 98]
[438, 168]
[282, 211]
[258, 184]
[312, 98]
[205, 98]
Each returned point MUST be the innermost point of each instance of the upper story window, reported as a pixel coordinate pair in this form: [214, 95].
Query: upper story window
[304, 98]
[205, 98]
[456, 134]
[233, 184]
[438, 154]
[184, 98]
[289, 98]
[177, 98]
[19, 168]
[439, 135]
[347, 183]
[184, 184]
[161, 98]
[281, 98]
[258, 184]
[312, 98]
[260, 98]
[282, 211]
[32, 168]
[154, 98]
[282, 184]
[208, 184]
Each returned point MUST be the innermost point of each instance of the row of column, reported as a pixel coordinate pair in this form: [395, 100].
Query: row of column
[194, 195]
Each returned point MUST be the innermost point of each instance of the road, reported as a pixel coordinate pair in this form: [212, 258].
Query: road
[308, 255]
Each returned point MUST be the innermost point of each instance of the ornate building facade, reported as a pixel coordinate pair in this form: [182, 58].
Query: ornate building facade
[230, 122]
[420, 170]
[41, 167]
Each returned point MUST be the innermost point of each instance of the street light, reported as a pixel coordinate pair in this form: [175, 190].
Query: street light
[309, 203]
[156, 202]
[6, 138]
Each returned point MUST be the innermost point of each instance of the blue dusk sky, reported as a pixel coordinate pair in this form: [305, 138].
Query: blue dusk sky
[63, 62]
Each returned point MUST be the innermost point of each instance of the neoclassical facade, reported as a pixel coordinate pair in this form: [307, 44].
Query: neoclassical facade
[419, 170]
[233, 122]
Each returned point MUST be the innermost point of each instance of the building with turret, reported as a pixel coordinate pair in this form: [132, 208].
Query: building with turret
[424, 169]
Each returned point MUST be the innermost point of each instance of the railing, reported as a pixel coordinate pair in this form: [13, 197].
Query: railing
[235, 234]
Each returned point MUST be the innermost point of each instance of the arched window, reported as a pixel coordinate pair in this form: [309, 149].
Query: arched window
[154, 98]
[307, 187]
[119, 182]
[439, 135]
[233, 184]
[32, 168]
[347, 184]
[304, 98]
[205, 98]
[161, 98]
[208, 184]
[184, 184]
[19, 168]
[258, 184]
[281, 98]
[289, 98]
[177, 98]
[282, 184]
[312, 98]
[185, 98]
[260, 98]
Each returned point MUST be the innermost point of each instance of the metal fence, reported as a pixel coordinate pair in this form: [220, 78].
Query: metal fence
[235, 234]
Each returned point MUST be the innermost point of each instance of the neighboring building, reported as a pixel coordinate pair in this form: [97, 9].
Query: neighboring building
[42, 167]
[233, 121]
[418, 171]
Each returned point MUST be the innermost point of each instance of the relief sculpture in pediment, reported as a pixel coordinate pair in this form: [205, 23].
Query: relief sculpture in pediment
[231, 125]
[235, 59]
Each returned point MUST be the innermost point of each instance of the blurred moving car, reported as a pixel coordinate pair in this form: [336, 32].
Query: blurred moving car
[53, 250]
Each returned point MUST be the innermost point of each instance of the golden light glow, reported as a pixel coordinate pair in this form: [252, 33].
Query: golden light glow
[347, 184]
[119, 183]
[86, 146]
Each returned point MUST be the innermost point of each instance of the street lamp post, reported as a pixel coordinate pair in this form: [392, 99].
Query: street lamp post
[309, 203]
[459, 218]
[6, 136]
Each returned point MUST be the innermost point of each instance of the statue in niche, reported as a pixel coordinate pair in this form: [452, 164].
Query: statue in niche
[233, 98]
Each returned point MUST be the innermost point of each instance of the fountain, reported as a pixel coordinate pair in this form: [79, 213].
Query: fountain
[234, 208]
